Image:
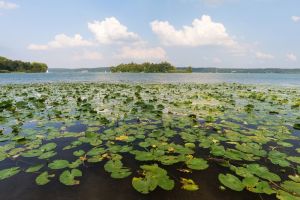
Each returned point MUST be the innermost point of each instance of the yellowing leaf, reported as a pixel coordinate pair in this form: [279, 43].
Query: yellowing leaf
[122, 138]
[189, 184]
[171, 149]
[185, 170]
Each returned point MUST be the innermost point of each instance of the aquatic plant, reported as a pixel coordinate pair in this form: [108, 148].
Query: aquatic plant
[251, 133]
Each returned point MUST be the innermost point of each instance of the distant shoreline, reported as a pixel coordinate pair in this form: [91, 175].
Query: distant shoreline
[194, 70]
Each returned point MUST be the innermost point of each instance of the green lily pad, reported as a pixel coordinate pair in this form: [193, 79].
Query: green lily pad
[153, 176]
[292, 187]
[263, 172]
[79, 153]
[262, 187]
[231, 182]
[35, 168]
[294, 159]
[278, 158]
[283, 195]
[47, 155]
[121, 173]
[115, 167]
[32, 153]
[59, 164]
[68, 177]
[96, 151]
[250, 182]
[6, 173]
[43, 178]
[48, 147]
[295, 178]
[144, 156]
[197, 164]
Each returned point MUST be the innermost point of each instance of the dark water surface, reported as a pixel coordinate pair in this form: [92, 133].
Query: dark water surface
[96, 184]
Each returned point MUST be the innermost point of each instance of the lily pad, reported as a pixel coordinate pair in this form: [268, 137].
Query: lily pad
[43, 178]
[231, 182]
[59, 164]
[197, 164]
[68, 177]
[6, 173]
[189, 184]
[35, 168]
[153, 176]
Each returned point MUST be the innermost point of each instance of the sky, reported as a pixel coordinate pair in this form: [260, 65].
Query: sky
[197, 33]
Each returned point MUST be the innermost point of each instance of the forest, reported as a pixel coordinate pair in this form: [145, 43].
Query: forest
[9, 66]
[163, 67]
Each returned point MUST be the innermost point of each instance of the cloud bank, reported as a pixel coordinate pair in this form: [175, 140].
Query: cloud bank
[110, 30]
[202, 32]
[8, 5]
[62, 41]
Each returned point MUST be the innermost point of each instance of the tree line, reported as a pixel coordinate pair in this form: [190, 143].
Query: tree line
[163, 67]
[8, 66]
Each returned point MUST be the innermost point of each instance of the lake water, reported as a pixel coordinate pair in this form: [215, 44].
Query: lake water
[268, 79]
[96, 183]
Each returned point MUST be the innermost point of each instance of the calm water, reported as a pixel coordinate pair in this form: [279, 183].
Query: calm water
[97, 184]
[272, 79]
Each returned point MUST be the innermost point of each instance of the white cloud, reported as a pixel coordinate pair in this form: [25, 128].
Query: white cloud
[296, 18]
[291, 57]
[62, 41]
[110, 30]
[141, 53]
[88, 55]
[202, 32]
[264, 56]
[8, 5]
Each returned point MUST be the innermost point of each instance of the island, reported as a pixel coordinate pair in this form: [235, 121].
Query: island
[139, 68]
[163, 67]
[10, 66]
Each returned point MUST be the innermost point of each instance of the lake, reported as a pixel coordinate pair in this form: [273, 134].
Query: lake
[149, 141]
[269, 79]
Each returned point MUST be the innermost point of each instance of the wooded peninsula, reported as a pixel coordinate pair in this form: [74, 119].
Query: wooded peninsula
[9, 66]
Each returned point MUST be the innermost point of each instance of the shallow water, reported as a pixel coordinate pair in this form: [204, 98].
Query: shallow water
[97, 184]
[269, 79]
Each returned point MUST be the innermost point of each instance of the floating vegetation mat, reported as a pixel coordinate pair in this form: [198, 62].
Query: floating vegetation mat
[248, 134]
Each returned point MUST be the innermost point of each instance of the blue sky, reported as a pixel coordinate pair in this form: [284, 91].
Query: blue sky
[198, 33]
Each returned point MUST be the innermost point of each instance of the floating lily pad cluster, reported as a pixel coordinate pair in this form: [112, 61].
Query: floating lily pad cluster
[251, 133]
